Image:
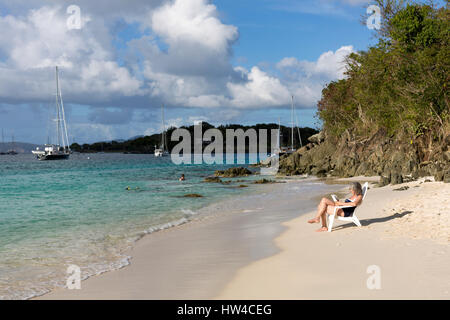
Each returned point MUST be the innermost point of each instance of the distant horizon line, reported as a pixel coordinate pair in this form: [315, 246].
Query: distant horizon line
[157, 133]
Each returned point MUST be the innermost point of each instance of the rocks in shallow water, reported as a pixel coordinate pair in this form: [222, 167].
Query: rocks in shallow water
[233, 172]
[212, 180]
[264, 181]
[192, 195]
[242, 186]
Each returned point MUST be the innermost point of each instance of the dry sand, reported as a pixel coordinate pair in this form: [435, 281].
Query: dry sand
[405, 234]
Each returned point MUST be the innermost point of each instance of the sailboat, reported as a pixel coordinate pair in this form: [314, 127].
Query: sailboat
[60, 150]
[13, 147]
[162, 150]
[280, 150]
[3, 144]
[291, 149]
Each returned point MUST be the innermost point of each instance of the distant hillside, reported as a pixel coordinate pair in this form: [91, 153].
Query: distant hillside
[146, 144]
[20, 147]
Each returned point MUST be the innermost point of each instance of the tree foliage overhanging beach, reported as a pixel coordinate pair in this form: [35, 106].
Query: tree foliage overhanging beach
[399, 85]
[390, 115]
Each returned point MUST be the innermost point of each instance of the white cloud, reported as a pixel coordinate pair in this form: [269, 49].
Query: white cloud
[182, 58]
[195, 22]
[330, 65]
[42, 40]
[194, 70]
[261, 90]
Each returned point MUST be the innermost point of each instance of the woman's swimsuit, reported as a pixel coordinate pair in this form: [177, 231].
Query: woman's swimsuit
[348, 211]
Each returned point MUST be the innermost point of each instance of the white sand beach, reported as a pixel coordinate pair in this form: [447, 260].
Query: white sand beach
[247, 255]
[405, 233]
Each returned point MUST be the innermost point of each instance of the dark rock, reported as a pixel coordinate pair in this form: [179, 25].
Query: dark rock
[212, 180]
[192, 195]
[447, 176]
[396, 178]
[264, 181]
[401, 188]
[384, 181]
[321, 173]
[233, 172]
[394, 159]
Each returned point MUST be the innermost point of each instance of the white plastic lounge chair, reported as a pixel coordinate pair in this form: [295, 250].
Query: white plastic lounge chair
[353, 218]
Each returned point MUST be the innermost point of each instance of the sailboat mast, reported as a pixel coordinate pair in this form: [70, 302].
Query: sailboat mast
[292, 128]
[58, 133]
[163, 135]
[65, 136]
[279, 135]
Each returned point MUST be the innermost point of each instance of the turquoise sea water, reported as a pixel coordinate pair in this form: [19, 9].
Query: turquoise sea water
[78, 211]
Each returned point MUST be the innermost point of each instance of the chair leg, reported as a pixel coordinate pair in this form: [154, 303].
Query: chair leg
[356, 221]
[330, 222]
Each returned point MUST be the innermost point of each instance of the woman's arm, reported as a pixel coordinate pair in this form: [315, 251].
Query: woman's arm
[350, 204]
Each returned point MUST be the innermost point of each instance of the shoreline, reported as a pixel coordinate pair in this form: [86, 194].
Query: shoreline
[211, 259]
[229, 235]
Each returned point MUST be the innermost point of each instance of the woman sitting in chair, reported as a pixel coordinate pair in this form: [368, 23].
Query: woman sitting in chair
[326, 206]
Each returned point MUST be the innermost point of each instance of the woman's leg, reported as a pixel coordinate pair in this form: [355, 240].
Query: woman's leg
[330, 211]
[321, 209]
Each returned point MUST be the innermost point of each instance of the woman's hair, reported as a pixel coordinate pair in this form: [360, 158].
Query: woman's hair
[356, 186]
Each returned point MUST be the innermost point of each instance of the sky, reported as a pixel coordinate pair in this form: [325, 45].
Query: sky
[222, 61]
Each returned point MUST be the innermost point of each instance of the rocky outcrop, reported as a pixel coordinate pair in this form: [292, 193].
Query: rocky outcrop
[264, 181]
[395, 161]
[233, 172]
[192, 195]
[317, 138]
[212, 180]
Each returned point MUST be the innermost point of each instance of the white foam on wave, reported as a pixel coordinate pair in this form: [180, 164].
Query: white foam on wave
[188, 212]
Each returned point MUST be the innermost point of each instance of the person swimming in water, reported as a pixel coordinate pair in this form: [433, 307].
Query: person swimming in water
[129, 189]
[326, 206]
[182, 178]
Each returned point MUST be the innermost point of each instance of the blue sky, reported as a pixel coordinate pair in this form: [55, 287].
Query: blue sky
[270, 30]
[220, 61]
